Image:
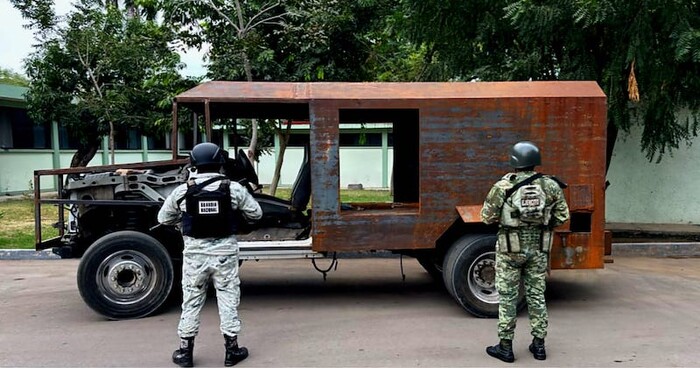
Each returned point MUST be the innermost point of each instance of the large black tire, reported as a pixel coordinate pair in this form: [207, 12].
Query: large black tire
[125, 274]
[469, 272]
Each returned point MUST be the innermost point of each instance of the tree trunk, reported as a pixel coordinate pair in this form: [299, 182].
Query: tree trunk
[284, 140]
[111, 140]
[254, 123]
[85, 153]
[610, 146]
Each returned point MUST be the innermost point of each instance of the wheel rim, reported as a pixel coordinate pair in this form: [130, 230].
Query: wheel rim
[126, 277]
[481, 278]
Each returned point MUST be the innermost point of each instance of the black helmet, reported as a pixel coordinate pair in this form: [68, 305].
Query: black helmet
[206, 154]
[525, 154]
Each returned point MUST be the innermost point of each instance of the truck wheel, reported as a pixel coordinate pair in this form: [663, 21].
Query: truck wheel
[125, 274]
[469, 272]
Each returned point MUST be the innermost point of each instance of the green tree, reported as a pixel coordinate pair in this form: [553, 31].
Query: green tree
[8, 76]
[644, 54]
[294, 40]
[231, 24]
[103, 69]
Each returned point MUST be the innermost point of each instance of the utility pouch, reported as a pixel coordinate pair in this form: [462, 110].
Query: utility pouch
[547, 238]
[508, 242]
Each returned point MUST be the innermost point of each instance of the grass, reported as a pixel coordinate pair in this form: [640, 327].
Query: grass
[17, 223]
[17, 216]
[346, 195]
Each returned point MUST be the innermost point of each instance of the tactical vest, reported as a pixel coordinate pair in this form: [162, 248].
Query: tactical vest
[525, 205]
[208, 214]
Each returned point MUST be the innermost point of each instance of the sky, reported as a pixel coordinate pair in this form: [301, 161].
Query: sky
[16, 41]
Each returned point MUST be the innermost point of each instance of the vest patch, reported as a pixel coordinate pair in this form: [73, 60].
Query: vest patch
[529, 201]
[208, 207]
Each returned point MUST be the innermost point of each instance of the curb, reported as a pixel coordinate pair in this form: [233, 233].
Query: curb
[24, 254]
[685, 249]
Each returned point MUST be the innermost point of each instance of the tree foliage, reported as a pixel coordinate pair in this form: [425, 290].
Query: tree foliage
[645, 54]
[294, 40]
[8, 76]
[101, 69]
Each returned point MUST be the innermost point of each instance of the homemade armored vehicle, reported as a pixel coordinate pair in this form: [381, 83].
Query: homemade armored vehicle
[450, 144]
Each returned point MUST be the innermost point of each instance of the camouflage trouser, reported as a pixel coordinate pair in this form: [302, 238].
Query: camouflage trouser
[531, 263]
[197, 270]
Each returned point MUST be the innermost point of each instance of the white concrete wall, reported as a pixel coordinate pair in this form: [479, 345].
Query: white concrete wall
[292, 162]
[646, 192]
[358, 165]
[17, 170]
[17, 166]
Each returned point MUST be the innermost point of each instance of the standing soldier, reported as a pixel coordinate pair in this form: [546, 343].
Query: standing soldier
[527, 206]
[205, 208]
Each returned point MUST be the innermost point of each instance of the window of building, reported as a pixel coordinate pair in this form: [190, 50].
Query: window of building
[66, 140]
[185, 141]
[127, 139]
[158, 141]
[19, 132]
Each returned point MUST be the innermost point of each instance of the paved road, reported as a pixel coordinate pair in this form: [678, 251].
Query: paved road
[635, 312]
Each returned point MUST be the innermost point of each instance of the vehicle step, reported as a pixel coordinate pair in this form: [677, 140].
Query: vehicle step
[287, 249]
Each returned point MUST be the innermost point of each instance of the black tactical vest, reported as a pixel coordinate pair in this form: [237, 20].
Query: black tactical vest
[208, 214]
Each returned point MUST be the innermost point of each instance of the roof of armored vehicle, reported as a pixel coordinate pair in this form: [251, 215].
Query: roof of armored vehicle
[226, 91]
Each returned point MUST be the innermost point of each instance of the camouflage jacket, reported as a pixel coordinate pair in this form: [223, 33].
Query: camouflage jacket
[171, 214]
[493, 205]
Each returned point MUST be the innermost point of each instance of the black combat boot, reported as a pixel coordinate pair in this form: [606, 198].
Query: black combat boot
[502, 351]
[183, 355]
[537, 348]
[234, 354]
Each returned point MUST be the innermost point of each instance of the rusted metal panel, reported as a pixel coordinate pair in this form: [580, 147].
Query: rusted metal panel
[227, 91]
[37, 208]
[173, 133]
[581, 197]
[465, 131]
[207, 119]
[574, 250]
[324, 160]
[470, 213]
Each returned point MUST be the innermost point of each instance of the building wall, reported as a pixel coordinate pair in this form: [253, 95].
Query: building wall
[17, 166]
[17, 169]
[646, 192]
[357, 166]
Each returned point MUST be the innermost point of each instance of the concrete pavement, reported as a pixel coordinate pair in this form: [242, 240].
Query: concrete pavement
[637, 312]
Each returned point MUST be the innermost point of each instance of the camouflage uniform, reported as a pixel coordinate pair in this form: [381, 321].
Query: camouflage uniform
[530, 261]
[209, 258]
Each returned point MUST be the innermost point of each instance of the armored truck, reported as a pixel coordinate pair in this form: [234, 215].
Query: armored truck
[449, 146]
